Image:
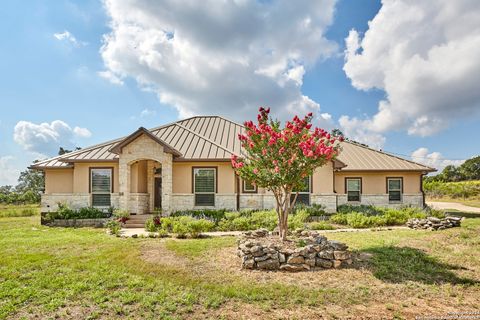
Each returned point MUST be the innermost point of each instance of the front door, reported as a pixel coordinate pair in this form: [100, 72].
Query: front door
[158, 192]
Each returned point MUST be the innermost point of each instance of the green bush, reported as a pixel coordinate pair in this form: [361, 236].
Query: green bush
[368, 216]
[313, 210]
[210, 214]
[298, 220]
[320, 226]
[463, 189]
[114, 227]
[248, 220]
[64, 212]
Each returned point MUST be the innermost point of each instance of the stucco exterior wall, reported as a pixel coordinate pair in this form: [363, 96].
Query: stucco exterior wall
[182, 176]
[81, 177]
[322, 179]
[376, 182]
[59, 181]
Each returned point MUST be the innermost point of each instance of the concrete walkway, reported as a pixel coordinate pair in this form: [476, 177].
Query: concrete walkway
[452, 205]
[139, 232]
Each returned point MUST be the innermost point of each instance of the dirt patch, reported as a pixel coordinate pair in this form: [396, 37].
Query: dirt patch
[157, 253]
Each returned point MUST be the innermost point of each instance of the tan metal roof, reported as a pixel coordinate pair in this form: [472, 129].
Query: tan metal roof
[361, 158]
[210, 138]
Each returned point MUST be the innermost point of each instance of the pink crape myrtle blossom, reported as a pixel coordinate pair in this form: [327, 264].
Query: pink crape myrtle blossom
[279, 159]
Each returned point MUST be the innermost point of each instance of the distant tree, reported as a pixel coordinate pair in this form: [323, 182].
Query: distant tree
[62, 150]
[31, 184]
[470, 169]
[338, 133]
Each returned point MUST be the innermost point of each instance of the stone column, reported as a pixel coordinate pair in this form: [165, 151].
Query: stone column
[123, 183]
[151, 184]
[167, 187]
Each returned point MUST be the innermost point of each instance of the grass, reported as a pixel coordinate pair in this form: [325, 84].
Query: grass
[84, 273]
[26, 210]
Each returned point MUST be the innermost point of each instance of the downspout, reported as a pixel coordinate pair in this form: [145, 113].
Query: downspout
[237, 182]
[421, 189]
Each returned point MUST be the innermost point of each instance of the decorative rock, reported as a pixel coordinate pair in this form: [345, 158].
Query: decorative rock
[268, 264]
[341, 255]
[296, 259]
[324, 263]
[337, 245]
[260, 251]
[433, 223]
[326, 255]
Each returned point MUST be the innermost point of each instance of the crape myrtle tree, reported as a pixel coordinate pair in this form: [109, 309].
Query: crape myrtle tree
[279, 159]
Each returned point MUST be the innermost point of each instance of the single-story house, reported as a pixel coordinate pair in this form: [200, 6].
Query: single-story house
[186, 165]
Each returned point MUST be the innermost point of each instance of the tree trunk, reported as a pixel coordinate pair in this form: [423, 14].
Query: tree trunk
[283, 204]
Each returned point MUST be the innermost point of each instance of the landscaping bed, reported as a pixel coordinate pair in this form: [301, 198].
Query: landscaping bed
[306, 251]
[83, 217]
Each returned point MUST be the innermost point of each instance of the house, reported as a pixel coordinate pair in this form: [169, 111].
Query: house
[186, 165]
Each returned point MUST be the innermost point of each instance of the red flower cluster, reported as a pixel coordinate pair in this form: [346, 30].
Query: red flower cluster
[235, 163]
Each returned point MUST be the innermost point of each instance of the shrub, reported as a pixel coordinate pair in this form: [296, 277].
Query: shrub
[321, 226]
[313, 210]
[214, 215]
[196, 227]
[121, 215]
[114, 227]
[248, 220]
[298, 220]
[65, 212]
[369, 216]
[153, 224]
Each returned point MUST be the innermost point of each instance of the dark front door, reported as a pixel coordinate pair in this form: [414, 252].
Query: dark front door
[158, 193]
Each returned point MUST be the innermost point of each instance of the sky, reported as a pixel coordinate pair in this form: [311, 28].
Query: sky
[402, 76]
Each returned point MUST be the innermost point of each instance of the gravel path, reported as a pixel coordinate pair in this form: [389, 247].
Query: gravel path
[452, 205]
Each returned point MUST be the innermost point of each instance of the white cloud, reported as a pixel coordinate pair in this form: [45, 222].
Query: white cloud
[219, 57]
[110, 76]
[357, 130]
[433, 159]
[67, 36]
[46, 138]
[8, 172]
[82, 132]
[147, 113]
[424, 55]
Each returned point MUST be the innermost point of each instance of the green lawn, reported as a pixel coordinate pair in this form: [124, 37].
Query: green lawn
[26, 210]
[85, 273]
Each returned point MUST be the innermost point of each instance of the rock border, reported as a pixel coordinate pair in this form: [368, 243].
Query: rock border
[263, 251]
[432, 223]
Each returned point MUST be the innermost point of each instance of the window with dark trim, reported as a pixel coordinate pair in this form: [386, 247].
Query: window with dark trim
[303, 192]
[204, 186]
[353, 188]
[101, 186]
[249, 187]
[394, 189]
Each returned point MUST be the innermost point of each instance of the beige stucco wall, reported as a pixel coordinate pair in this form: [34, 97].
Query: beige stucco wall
[81, 177]
[322, 179]
[138, 177]
[376, 182]
[59, 181]
[182, 176]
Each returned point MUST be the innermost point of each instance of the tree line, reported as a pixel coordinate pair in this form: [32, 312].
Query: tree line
[469, 170]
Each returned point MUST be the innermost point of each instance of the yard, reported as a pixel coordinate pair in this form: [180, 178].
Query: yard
[85, 273]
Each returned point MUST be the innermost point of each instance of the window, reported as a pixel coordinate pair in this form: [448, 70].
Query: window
[394, 189]
[303, 193]
[354, 188]
[101, 186]
[204, 180]
[249, 187]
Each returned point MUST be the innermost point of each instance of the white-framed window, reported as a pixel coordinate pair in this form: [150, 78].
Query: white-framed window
[303, 192]
[204, 186]
[353, 188]
[101, 182]
[249, 187]
[394, 189]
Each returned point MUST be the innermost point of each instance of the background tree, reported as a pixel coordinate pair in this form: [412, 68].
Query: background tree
[470, 169]
[279, 159]
[62, 150]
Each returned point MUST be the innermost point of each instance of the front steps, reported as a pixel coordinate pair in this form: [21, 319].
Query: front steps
[137, 220]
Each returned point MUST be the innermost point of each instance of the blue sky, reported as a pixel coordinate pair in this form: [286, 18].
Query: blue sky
[52, 54]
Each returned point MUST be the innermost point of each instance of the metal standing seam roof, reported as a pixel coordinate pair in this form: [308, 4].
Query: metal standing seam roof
[210, 138]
